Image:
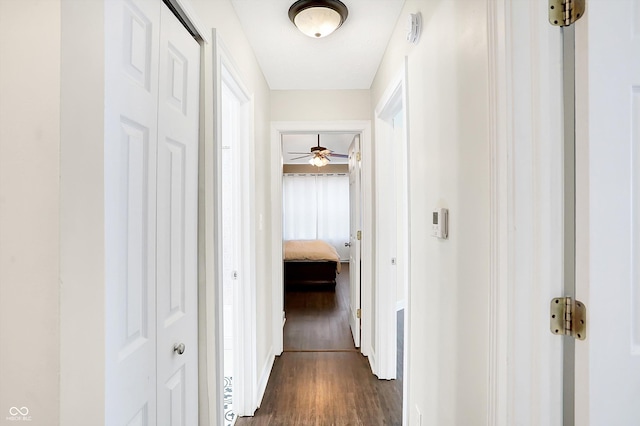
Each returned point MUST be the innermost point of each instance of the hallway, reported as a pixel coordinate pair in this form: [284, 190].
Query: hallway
[321, 378]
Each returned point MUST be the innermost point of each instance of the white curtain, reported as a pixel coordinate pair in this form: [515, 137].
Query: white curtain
[316, 206]
[300, 207]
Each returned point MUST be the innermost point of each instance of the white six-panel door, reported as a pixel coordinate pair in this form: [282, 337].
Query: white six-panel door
[131, 50]
[177, 215]
[151, 139]
[608, 277]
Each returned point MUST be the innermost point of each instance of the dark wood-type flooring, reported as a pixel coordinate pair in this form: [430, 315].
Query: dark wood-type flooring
[321, 379]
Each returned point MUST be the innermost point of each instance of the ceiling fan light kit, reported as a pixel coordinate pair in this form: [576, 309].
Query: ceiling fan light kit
[318, 18]
[319, 161]
[319, 155]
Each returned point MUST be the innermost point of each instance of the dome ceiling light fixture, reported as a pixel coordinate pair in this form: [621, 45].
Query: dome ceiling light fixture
[318, 18]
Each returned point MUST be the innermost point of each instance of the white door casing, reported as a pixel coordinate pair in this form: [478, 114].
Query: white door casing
[608, 226]
[236, 103]
[366, 270]
[525, 134]
[139, 360]
[391, 223]
[355, 224]
[177, 218]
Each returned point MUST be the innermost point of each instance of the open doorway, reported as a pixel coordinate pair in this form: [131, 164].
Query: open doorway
[279, 130]
[316, 227]
[235, 245]
[392, 235]
[230, 230]
[372, 399]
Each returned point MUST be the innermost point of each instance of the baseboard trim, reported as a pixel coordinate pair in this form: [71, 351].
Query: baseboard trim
[264, 377]
[372, 361]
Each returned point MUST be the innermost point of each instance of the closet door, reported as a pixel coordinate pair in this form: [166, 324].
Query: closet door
[151, 184]
[177, 215]
[131, 119]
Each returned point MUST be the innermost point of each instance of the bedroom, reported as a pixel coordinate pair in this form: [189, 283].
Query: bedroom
[316, 199]
[316, 220]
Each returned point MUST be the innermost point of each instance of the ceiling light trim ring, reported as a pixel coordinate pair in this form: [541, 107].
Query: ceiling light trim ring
[335, 5]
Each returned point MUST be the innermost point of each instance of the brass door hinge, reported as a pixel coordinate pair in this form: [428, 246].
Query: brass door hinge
[568, 317]
[358, 313]
[359, 235]
[358, 156]
[563, 13]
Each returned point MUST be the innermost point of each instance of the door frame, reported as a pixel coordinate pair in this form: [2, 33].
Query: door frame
[278, 128]
[526, 139]
[393, 101]
[225, 72]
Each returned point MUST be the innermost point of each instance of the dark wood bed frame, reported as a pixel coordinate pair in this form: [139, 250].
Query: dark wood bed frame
[306, 273]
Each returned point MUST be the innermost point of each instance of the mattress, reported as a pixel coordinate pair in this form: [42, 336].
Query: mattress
[311, 250]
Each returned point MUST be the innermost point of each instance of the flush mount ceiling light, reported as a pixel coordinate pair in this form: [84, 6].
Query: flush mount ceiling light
[318, 18]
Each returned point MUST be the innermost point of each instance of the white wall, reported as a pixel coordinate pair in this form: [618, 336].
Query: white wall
[29, 186]
[82, 305]
[449, 167]
[320, 105]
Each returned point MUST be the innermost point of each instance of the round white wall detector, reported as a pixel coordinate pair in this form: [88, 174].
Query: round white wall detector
[414, 25]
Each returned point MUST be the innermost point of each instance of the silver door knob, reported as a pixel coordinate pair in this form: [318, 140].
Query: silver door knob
[347, 244]
[179, 348]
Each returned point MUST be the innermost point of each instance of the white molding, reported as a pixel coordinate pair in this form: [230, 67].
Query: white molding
[264, 377]
[500, 117]
[245, 339]
[372, 361]
[525, 133]
[406, 392]
[392, 101]
[277, 129]
[277, 277]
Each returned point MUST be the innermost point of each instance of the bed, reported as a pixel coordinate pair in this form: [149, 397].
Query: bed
[310, 263]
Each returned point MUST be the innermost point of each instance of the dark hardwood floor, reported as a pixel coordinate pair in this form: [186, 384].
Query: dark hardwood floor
[321, 379]
[318, 317]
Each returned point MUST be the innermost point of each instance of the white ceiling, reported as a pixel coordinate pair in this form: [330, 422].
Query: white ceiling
[346, 59]
[336, 142]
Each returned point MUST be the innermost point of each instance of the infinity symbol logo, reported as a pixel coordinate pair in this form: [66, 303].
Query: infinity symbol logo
[14, 411]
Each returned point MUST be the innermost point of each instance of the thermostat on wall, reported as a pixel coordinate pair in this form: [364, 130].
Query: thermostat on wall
[439, 223]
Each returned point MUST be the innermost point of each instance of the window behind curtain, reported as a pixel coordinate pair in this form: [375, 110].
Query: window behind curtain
[316, 206]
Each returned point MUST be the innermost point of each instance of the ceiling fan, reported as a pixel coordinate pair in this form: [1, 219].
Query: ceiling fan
[320, 156]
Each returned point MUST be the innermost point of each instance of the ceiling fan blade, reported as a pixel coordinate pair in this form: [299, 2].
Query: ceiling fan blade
[300, 153]
[333, 154]
[298, 158]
